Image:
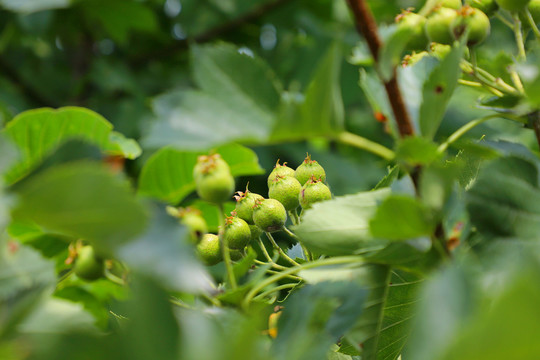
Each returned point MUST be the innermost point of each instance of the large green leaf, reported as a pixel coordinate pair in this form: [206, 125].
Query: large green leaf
[321, 112]
[168, 174]
[341, 226]
[237, 99]
[505, 199]
[438, 90]
[83, 200]
[38, 132]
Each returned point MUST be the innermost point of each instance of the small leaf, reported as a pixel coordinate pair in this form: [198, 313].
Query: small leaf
[394, 46]
[416, 151]
[438, 90]
[401, 217]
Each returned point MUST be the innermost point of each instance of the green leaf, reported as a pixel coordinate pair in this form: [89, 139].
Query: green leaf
[119, 145]
[162, 253]
[438, 90]
[376, 96]
[38, 132]
[392, 49]
[168, 174]
[29, 6]
[505, 199]
[341, 226]
[388, 179]
[416, 151]
[82, 200]
[237, 101]
[321, 113]
[401, 217]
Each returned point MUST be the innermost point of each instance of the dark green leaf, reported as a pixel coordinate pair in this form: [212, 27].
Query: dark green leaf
[416, 151]
[29, 6]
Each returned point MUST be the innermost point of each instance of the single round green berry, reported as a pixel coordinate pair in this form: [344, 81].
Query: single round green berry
[309, 168]
[192, 219]
[476, 21]
[88, 265]
[513, 6]
[244, 205]
[281, 170]
[452, 4]
[213, 179]
[438, 26]
[488, 7]
[285, 190]
[209, 250]
[269, 215]
[237, 233]
[415, 24]
[256, 232]
[439, 50]
[314, 191]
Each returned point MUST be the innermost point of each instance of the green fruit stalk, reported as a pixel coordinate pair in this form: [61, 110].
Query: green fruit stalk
[308, 169]
[237, 234]
[280, 170]
[213, 179]
[476, 21]
[269, 215]
[438, 26]
[88, 265]
[209, 250]
[314, 191]
[286, 191]
[244, 204]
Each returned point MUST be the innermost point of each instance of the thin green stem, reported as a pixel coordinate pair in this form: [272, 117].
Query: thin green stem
[265, 252]
[489, 81]
[211, 299]
[271, 263]
[517, 81]
[280, 250]
[518, 33]
[293, 277]
[225, 249]
[294, 217]
[275, 289]
[463, 130]
[113, 278]
[179, 303]
[290, 233]
[532, 23]
[293, 270]
[504, 20]
[365, 144]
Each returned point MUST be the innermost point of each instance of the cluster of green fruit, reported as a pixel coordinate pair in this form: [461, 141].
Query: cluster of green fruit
[448, 22]
[254, 214]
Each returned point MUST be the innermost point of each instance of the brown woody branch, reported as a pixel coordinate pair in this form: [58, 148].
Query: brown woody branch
[367, 26]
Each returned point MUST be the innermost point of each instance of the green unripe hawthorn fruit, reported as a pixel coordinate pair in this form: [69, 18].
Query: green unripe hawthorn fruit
[438, 26]
[513, 5]
[439, 50]
[244, 205]
[286, 191]
[451, 4]
[314, 191]
[488, 7]
[281, 170]
[209, 250]
[236, 255]
[256, 232]
[415, 24]
[192, 219]
[237, 233]
[476, 21]
[269, 215]
[88, 266]
[309, 168]
[213, 179]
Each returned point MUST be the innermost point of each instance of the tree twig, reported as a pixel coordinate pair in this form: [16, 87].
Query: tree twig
[367, 26]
